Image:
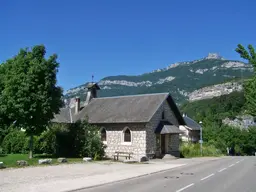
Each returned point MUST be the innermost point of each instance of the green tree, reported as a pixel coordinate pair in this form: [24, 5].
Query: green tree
[249, 85]
[92, 145]
[5, 122]
[30, 96]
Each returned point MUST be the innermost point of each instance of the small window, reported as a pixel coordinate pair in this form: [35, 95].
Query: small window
[127, 135]
[163, 117]
[103, 135]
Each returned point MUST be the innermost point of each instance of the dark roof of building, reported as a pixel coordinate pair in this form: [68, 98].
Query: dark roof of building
[165, 127]
[191, 124]
[64, 115]
[122, 109]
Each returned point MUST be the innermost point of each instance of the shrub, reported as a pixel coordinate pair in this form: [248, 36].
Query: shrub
[92, 145]
[14, 142]
[71, 140]
[46, 142]
[193, 150]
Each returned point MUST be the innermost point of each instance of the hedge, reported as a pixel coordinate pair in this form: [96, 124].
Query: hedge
[67, 140]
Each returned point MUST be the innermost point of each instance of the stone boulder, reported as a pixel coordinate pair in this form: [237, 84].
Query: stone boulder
[44, 161]
[22, 163]
[2, 165]
[87, 159]
[144, 159]
[62, 160]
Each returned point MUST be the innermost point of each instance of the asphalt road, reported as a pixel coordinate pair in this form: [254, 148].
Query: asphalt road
[231, 174]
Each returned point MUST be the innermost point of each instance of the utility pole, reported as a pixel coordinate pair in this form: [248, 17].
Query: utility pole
[201, 138]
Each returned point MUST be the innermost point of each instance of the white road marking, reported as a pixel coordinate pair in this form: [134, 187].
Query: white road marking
[185, 187]
[231, 165]
[242, 159]
[222, 169]
[207, 177]
[238, 162]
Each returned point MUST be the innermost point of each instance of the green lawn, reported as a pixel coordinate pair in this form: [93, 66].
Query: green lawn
[10, 160]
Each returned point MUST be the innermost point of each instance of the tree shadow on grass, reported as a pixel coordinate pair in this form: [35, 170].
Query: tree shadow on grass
[43, 156]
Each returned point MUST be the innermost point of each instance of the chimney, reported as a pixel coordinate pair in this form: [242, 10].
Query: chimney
[77, 106]
[91, 92]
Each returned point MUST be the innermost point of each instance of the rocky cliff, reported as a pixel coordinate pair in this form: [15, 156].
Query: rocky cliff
[215, 90]
[241, 121]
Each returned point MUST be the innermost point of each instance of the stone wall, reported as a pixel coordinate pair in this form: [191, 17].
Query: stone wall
[173, 145]
[151, 145]
[114, 140]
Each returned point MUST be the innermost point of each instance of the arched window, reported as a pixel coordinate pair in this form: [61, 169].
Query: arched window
[103, 135]
[127, 135]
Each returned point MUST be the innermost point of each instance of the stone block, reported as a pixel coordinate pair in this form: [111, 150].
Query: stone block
[44, 161]
[144, 159]
[22, 163]
[62, 160]
[2, 166]
[87, 159]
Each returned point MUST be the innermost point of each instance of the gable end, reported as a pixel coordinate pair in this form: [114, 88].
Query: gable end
[175, 110]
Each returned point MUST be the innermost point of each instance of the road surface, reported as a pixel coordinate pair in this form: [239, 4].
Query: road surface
[231, 174]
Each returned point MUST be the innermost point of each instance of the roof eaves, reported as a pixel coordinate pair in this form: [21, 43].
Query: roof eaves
[131, 122]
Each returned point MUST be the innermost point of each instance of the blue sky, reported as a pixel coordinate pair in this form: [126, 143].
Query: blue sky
[113, 37]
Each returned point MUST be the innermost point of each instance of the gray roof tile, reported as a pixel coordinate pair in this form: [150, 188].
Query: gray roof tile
[193, 125]
[165, 127]
[122, 109]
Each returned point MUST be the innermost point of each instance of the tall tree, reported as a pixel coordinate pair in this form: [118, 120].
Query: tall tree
[5, 121]
[30, 96]
[249, 85]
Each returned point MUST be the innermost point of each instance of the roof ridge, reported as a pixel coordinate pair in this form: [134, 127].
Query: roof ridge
[138, 95]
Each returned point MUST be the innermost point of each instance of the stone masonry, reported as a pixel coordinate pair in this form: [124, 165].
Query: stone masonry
[115, 139]
[173, 145]
[151, 145]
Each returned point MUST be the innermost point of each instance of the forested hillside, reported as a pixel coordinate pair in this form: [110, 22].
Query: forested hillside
[212, 111]
[215, 109]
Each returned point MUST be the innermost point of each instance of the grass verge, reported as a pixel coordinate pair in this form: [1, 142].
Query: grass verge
[10, 160]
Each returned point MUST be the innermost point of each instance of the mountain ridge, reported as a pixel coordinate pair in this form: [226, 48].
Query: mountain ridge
[180, 78]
